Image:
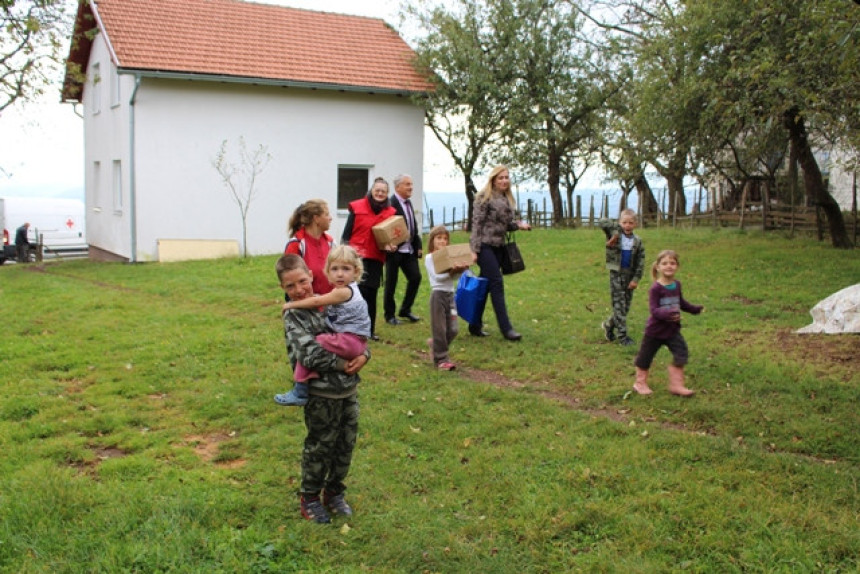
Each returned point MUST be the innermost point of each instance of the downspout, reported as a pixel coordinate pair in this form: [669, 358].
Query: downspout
[132, 177]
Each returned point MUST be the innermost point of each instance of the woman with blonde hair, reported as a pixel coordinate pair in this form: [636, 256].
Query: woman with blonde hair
[494, 215]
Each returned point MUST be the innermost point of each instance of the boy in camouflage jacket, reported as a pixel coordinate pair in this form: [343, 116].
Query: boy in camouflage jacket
[331, 414]
[625, 260]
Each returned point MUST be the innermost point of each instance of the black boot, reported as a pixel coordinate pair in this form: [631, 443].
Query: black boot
[512, 335]
[477, 331]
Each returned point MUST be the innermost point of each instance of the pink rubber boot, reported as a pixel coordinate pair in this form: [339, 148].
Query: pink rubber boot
[676, 382]
[641, 384]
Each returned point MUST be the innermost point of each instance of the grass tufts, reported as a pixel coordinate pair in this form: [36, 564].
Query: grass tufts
[139, 434]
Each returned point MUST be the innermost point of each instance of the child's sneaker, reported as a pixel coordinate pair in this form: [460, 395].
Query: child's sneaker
[626, 341]
[297, 397]
[337, 504]
[608, 331]
[446, 366]
[313, 510]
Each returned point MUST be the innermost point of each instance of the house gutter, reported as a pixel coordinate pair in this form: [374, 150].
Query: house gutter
[267, 82]
[132, 174]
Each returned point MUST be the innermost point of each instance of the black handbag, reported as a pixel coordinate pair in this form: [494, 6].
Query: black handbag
[512, 259]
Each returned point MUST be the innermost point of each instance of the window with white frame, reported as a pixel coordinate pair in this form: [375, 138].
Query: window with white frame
[96, 80]
[114, 87]
[117, 186]
[97, 185]
[352, 183]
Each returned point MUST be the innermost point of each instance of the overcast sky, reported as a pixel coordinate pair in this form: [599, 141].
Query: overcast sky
[41, 144]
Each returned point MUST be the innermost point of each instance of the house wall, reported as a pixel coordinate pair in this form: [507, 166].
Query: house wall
[106, 139]
[170, 186]
[180, 126]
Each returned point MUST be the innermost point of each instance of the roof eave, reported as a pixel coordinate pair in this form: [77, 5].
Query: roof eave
[79, 53]
[80, 48]
[225, 78]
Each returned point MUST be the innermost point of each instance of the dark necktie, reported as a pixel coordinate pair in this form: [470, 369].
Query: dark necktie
[410, 217]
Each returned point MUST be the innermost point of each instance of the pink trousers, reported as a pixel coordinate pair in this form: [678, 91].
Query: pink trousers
[345, 345]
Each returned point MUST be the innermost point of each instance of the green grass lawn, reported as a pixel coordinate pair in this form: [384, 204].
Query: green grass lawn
[138, 431]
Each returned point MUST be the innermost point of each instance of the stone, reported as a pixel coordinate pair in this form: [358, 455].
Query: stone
[839, 313]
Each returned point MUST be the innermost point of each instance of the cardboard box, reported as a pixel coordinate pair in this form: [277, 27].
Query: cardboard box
[451, 255]
[392, 230]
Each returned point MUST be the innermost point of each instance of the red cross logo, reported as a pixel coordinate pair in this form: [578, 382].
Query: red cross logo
[70, 223]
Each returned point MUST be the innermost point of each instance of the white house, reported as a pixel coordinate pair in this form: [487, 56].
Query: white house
[167, 81]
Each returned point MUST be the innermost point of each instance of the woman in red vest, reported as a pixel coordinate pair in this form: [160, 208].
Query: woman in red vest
[364, 213]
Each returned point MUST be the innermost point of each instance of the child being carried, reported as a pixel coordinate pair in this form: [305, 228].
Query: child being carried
[346, 313]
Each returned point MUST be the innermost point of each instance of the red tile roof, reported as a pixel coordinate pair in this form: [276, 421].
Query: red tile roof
[247, 40]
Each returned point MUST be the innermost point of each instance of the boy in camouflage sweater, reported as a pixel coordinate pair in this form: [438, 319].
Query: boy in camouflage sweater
[625, 259]
[331, 414]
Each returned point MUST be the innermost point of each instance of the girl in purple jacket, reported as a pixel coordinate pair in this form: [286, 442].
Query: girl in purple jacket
[664, 326]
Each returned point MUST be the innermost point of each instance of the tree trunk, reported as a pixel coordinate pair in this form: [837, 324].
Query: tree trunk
[765, 202]
[553, 179]
[648, 205]
[744, 195]
[626, 188]
[792, 182]
[569, 192]
[813, 183]
[471, 191]
[677, 199]
[569, 188]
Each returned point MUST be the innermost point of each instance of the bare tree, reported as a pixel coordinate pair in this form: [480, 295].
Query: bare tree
[240, 176]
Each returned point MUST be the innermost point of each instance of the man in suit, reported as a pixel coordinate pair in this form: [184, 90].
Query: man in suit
[406, 257]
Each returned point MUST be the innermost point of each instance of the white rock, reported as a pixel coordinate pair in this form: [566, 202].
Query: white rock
[839, 313]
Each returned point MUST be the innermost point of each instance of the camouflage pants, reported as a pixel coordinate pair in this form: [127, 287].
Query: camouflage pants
[621, 299]
[327, 454]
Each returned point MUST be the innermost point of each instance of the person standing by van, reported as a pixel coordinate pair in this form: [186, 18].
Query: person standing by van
[22, 244]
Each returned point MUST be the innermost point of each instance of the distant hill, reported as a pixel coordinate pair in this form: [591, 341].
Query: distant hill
[41, 190]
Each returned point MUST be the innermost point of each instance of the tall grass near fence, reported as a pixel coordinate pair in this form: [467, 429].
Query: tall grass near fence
[139, 434]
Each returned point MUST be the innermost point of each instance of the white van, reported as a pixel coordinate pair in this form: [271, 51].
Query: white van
[55, 222]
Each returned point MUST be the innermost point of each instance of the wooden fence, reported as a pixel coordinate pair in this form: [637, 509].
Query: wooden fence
[753, 216]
